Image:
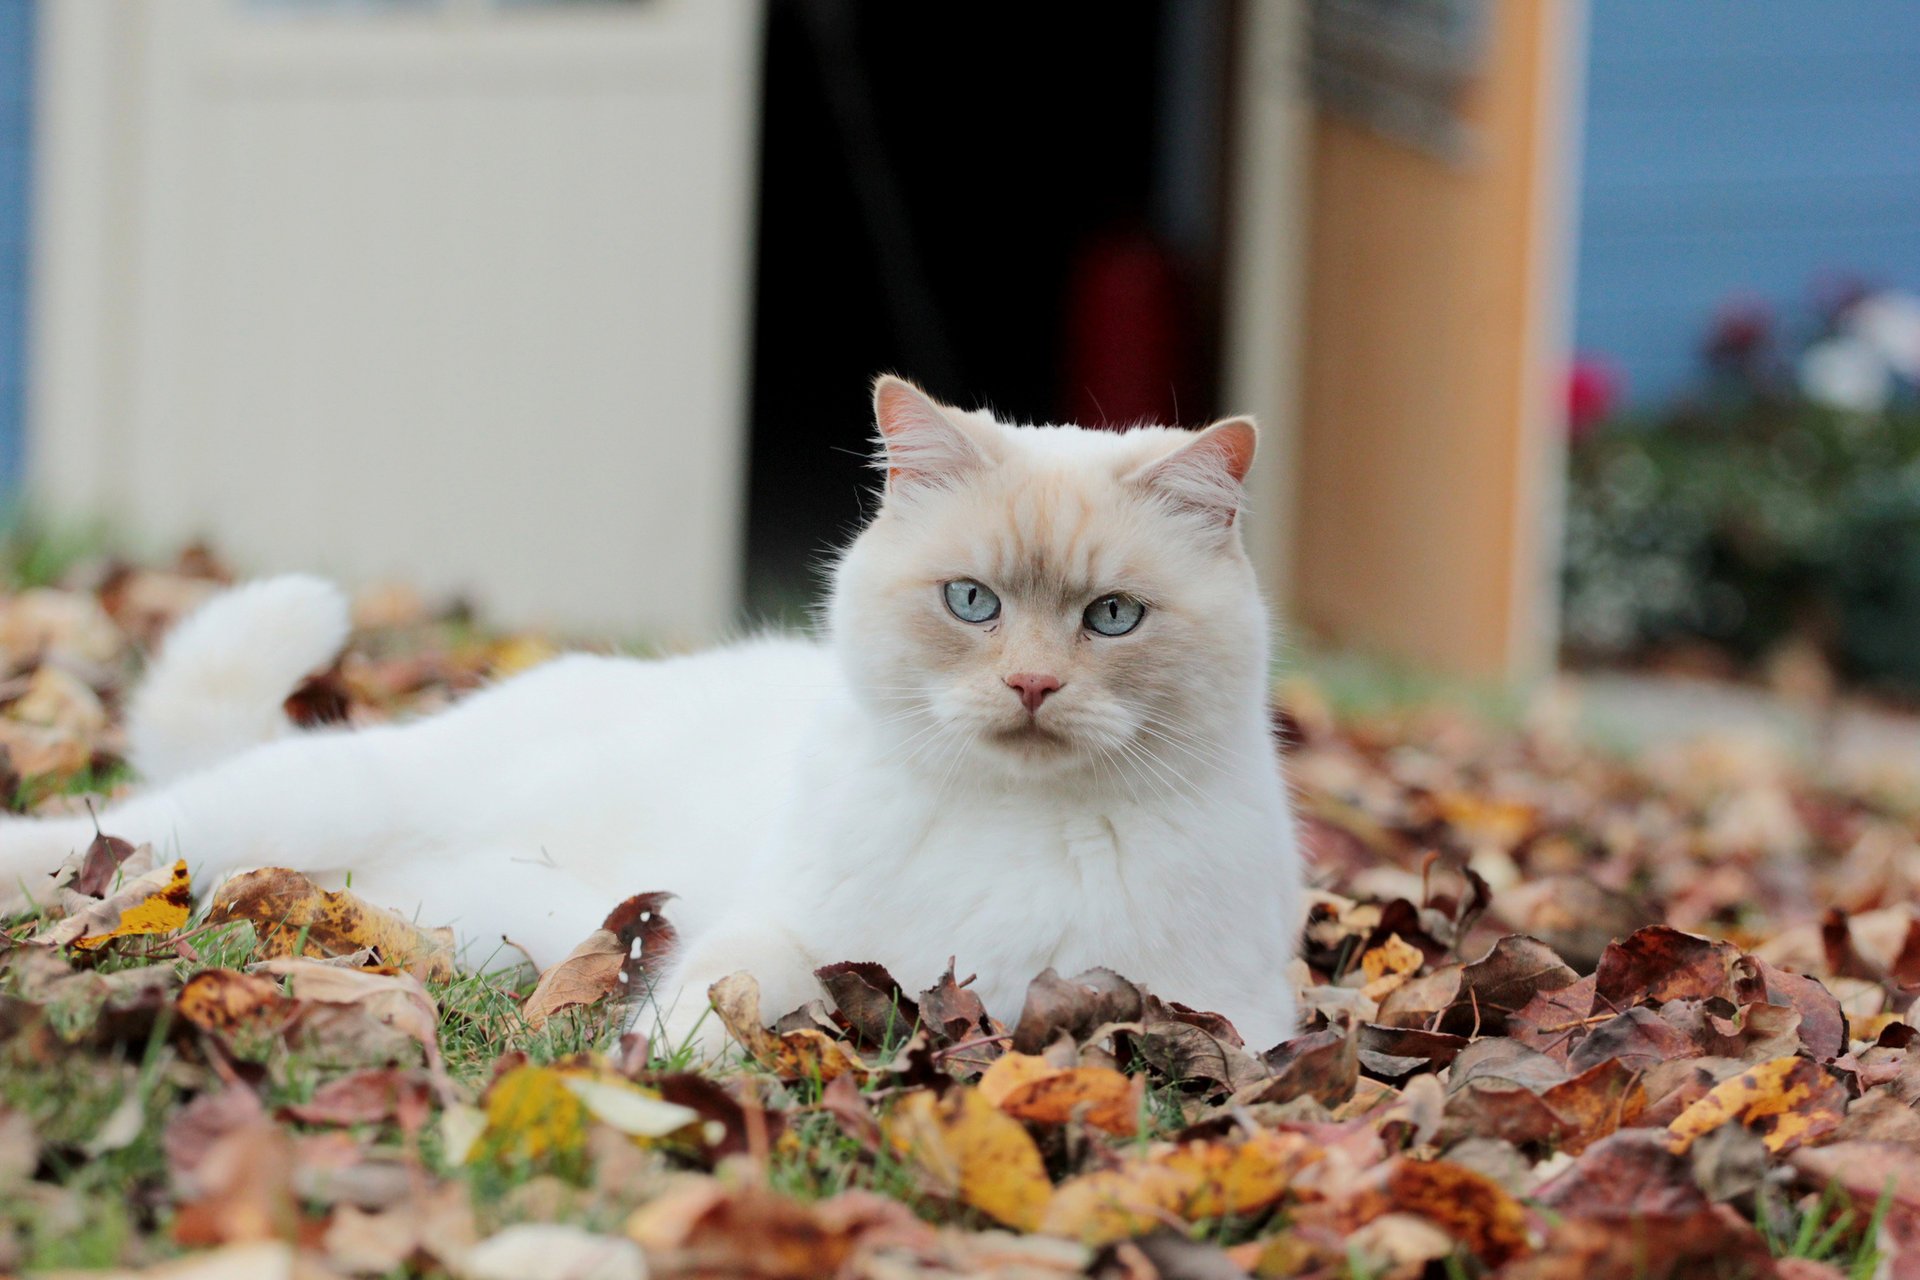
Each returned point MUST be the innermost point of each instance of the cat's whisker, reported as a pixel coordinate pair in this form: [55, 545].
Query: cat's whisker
[1211, 757]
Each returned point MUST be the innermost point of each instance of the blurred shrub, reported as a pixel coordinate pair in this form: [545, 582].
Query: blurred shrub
[1755, 513]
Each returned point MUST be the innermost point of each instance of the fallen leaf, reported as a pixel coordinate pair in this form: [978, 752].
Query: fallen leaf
[955, 1013]
[533, 1118]
[1469, 1206]
[1322, 1065]
[368, 1097]
[1661, 963]
[291, 914]
[100, 865]
[224, 1002]
[1178, 1185]
[795, 1055]
[158, 902]
[871, 1001]
[551, 1251]
[1076, 1006]
[705, 1228]
[1389, 965]
[245, 1181]
[588, 974]
[1627, 1175]
[1787, 1101]
[629, 1108]
[974, 1153]
[1029, 1088]
[396, 1000]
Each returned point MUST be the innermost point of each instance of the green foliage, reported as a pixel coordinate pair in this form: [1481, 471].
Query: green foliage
[1742, 527]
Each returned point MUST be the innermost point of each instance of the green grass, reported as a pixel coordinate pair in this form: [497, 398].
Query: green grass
[1830, 1231]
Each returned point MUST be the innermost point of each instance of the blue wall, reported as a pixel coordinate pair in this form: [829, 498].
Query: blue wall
[16, 99]
[1740, 145]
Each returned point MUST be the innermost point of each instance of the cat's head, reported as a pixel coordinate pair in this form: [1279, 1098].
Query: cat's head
[1044, 599]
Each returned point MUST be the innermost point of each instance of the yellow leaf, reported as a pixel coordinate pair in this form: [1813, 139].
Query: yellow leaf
[1010, 1071]
[1175, 1186]
[974, 1153]
[797, 1055]
[1117, 1204]
[520, 653]
[1242, 1177]
[1389, 965]
[1786, 1100]
[157, 902]
[1029, 1088]
[532, 1117]
[292, 915]
[1502, 822]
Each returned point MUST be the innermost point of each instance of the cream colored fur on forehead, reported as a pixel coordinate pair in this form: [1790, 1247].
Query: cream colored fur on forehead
[1052, 446]
[928, 448]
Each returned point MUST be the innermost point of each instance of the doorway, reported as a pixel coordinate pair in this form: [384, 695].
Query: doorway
[1017, 207]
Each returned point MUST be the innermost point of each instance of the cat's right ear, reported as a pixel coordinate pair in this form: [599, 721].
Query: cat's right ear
[923, 442]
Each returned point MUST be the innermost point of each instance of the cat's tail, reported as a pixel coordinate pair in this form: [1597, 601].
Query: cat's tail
[223, 675]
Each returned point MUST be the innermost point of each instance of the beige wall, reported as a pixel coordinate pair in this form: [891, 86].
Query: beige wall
[457, 295]
[1428, 456]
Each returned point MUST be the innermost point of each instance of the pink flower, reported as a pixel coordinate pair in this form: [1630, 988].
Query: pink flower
[1593, 389]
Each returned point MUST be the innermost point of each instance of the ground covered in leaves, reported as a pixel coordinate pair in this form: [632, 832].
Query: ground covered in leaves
[1571, 1016]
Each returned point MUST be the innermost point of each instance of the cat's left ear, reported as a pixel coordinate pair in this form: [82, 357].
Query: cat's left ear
[1207, 474]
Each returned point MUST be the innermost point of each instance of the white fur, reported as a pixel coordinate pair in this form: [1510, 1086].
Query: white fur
[880, 795]
[222, 674]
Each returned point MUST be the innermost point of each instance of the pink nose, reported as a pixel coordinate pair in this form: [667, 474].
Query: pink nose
[1033, 689]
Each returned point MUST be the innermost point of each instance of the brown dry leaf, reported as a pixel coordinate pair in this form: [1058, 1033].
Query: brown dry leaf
[1631, 1174]
[35, 751]
[398, 1000]
[1469, 1206]
[1716, 1243]
[287, 909]
[873, 1004]
[372, 1096]
[224, 1001]
[955, 1013]
[1076, 1006]
[246, 1190]
[973, 1152]
[58, 699]
[1029, 1088]
[589, 973]
[1189, 1053]
[158, 902]
[1787, 1101]
[705, 1228]
[1322, 1065]
[1660, 963]
[100, 865]
[804, 1054]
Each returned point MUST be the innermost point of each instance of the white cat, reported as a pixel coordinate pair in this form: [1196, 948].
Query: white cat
[1036, 734]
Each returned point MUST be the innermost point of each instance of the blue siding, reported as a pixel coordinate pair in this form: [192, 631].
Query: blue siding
[1740, 146]
[16, 136]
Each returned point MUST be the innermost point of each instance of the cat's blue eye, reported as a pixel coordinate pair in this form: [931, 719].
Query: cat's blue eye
[1114, 615]
[972, 601]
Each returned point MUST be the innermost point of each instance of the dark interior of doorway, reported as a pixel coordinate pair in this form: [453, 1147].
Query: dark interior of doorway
[1017, 205]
